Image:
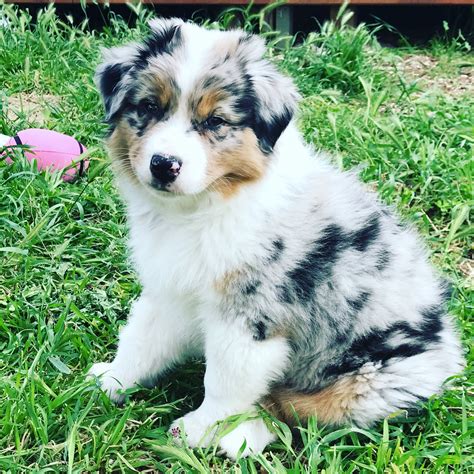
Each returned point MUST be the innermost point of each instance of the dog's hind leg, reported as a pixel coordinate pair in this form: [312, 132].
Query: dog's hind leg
[371, 393]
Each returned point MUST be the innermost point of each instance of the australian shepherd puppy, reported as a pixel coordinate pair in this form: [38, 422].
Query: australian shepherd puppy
[303, 292]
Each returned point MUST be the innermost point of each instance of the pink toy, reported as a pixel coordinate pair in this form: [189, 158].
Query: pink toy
[51, 150]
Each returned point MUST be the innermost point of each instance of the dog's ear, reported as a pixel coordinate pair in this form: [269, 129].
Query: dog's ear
[275, 94]
[111, 77]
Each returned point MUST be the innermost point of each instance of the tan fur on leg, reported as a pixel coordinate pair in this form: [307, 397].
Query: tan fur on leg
[332, 405]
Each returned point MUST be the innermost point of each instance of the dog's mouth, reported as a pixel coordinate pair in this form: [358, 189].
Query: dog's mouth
[170, 190]
[162, 188]
[165, 190]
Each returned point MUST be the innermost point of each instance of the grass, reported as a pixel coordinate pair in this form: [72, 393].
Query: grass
[66, 286]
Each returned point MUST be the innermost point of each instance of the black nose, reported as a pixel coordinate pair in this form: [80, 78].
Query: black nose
[165, 169]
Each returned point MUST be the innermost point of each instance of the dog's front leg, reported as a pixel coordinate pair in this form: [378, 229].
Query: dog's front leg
[239, 371]
[160, 332]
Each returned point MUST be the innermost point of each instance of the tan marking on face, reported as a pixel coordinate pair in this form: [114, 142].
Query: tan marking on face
[230, 167]
[119, 144]
[332, 405]
[208, 102]
[165, 91]
[157, 83]
[125, 148]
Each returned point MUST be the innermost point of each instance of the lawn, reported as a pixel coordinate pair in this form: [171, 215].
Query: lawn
[404, 117]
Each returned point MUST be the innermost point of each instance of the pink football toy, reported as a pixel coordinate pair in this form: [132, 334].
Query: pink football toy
[51, 150]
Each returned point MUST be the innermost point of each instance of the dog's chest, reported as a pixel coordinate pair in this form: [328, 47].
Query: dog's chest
[190, 255]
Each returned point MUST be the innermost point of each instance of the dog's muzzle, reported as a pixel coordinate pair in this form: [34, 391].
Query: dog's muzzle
[164, 169]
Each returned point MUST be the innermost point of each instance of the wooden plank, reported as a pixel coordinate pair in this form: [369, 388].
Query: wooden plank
[284, 20]
[260, 2]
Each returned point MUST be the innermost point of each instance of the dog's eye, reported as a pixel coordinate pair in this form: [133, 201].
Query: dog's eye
[148, 108]
[214, 122]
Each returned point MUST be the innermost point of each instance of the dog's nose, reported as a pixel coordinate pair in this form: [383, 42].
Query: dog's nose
[165, 169]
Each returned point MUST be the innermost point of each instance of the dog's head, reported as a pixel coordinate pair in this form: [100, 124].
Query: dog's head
[192, 109]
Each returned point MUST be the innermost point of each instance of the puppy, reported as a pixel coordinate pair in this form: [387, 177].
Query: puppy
[302, 291]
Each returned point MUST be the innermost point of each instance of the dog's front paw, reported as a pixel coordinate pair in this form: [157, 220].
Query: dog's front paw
[197, 430]
[110, 381]
[194, 428]
[255, 434]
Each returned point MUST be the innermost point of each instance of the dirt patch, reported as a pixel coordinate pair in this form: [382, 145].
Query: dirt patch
[426, 71]
[422, 67]
[428, 75]
[467, 268]
[34, 106]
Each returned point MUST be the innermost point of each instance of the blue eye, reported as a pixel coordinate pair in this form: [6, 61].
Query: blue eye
[214, 122]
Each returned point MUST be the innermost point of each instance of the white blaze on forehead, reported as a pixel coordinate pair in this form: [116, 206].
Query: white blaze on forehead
[167, 139]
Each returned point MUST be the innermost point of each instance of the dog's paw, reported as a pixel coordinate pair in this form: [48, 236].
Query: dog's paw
[255, 434]
[194, 429]
[109, 380]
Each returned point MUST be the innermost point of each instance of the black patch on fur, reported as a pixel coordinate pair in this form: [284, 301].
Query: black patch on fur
[317, 264]
[132, 122]
[244, 104]
[141, 128]
[260, 331]
[278, 248]
[447, 291]
[375, 346]
[109, 79]
[268, 130]
[251, 287]
[158, 43]
[383, 259]
[371, 348]
[316, 267]
[108, 84]
[432, 324]
[285, 294]
[245, 100]
[267, 121]
[359, 303]
[361, 239]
